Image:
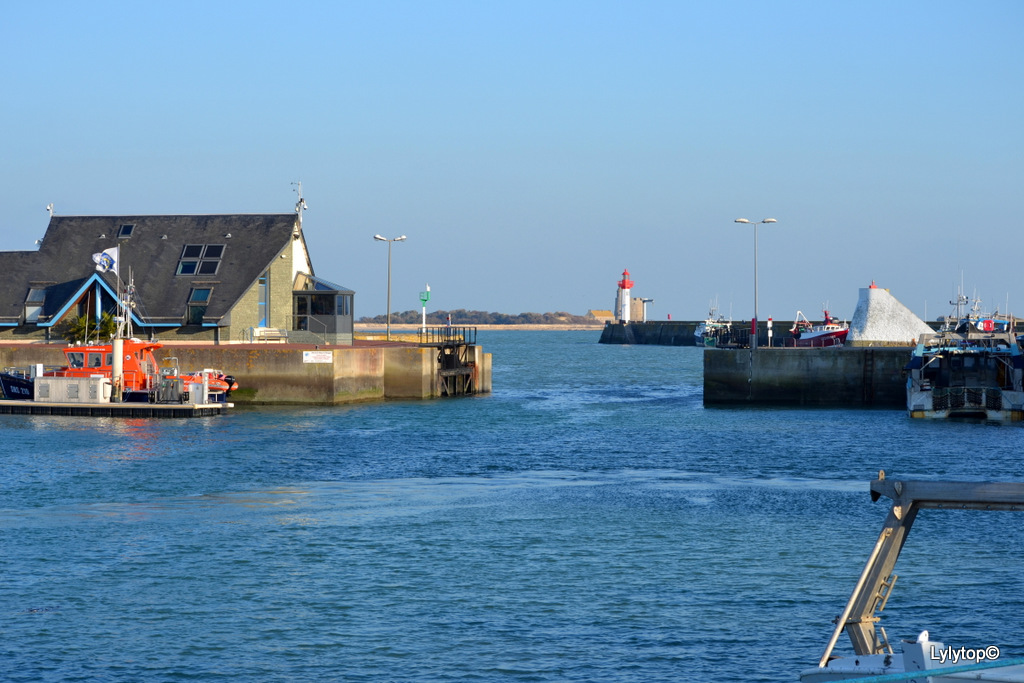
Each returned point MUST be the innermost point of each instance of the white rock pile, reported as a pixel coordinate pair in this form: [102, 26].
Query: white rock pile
[882, 320]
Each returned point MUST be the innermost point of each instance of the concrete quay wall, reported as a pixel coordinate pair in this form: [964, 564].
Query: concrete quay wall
[680, 332]
[836, 376]
[271, 374]
[659, 333]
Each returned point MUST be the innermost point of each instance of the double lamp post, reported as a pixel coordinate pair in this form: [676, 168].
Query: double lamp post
[753, 324]
[389, 241]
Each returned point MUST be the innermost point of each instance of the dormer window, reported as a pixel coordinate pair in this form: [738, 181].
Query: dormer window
[34, 304]
[200, 259]
[198, 300]
[126, 231]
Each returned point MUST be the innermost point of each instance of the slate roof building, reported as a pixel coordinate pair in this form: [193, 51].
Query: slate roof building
[214, 278]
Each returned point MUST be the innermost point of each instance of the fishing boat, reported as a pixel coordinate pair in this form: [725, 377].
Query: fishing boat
[829, 333]
[971, 368]
[873, 655]
[713, 331]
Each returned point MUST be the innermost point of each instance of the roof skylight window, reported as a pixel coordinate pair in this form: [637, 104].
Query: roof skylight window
[200, 259]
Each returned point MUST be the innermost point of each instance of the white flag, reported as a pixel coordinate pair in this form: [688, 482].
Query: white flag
[107, 260]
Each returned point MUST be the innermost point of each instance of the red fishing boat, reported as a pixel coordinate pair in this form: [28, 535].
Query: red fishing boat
[829, 333]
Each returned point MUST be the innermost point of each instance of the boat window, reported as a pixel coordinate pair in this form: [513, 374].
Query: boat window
[110, 359]
[95, 360]
[76, 359]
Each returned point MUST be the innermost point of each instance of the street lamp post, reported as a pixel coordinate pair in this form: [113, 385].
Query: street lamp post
[385, 239]
[753, 326]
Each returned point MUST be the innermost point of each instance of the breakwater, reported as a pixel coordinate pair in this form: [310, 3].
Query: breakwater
[680, 332]
[270, 374]
[661, 333]
[836, 376]
[839, 376]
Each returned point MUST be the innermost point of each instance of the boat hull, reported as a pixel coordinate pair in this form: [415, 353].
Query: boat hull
[966, 376]
[978, 403]
[16, 387]
[813, 339]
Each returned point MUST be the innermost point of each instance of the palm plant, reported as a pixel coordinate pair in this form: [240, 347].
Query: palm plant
[84, 327]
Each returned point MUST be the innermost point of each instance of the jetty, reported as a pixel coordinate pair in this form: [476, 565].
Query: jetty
[866, 371]
[437, 362]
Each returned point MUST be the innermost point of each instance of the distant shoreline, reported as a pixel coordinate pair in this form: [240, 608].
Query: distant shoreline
[406, 327]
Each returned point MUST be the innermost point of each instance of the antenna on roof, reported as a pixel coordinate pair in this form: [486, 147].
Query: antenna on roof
[300, 205]
[49, 207]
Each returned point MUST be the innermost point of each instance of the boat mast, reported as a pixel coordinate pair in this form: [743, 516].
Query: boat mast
[125, 295]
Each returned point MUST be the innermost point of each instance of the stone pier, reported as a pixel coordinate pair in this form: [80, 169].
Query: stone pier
[837, 376]
[269, 374]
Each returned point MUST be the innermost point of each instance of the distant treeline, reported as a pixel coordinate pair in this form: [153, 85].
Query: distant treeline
[464, 317]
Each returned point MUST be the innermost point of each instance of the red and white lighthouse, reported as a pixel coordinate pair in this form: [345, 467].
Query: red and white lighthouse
[625, 284]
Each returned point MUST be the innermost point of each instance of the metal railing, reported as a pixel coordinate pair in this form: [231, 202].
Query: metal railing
[447, 335]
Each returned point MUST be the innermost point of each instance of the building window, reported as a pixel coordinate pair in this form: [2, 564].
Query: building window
[344, 304]
[126, 231]
[322, 304]
[34, 304]
[261, 311]
[198, 300]
[200, 259]
[301, 313]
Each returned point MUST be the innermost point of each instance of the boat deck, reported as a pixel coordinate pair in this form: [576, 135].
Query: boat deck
[128, 410]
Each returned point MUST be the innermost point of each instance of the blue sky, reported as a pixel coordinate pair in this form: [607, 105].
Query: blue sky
[531, 151]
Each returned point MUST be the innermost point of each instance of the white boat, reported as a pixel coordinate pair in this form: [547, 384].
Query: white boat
[874, 658]
[713, 331]
[972, 368]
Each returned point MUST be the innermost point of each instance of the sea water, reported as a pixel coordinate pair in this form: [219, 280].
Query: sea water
[590, 520]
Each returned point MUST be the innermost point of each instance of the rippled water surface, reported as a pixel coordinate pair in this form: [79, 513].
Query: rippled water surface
[588, 521]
